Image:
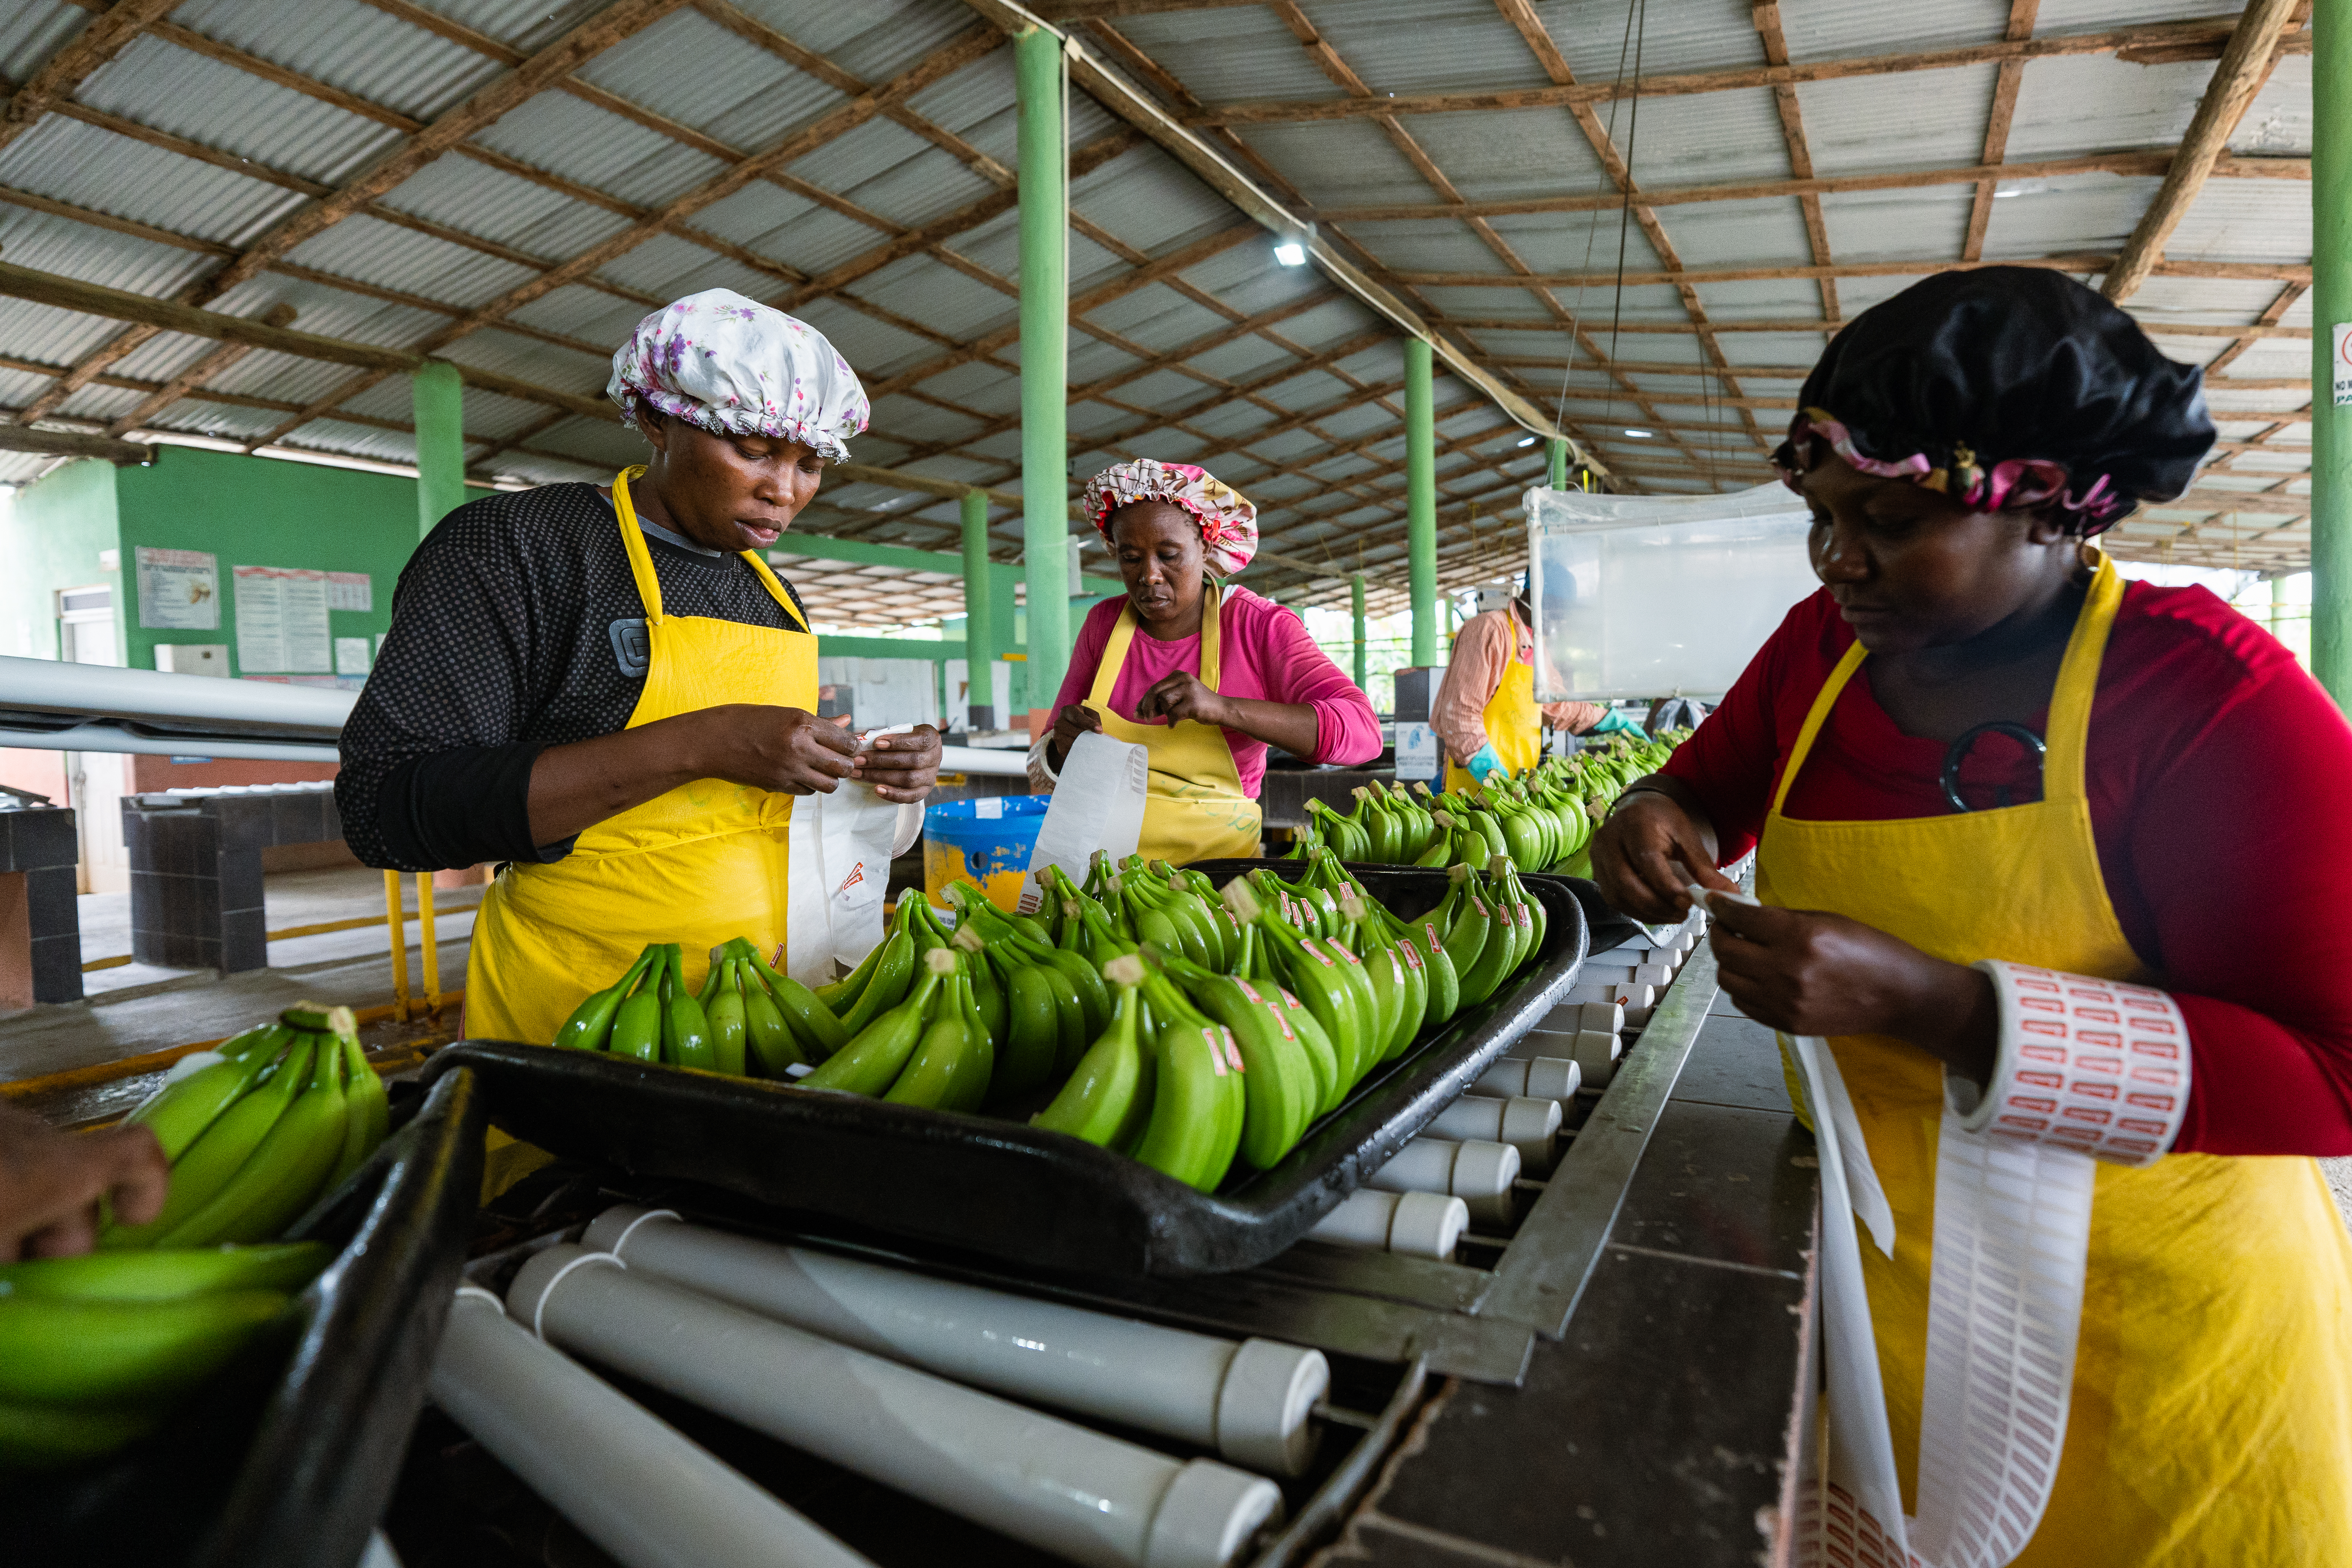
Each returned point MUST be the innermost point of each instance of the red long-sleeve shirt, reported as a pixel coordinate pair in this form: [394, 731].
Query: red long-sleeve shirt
[2218, 774]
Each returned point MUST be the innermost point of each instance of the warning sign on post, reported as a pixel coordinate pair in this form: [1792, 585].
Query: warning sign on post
[2341, 361]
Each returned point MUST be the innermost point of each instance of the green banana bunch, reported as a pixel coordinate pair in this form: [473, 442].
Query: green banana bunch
[85, 1354]
[876, 1054]
[95, 1351]
[167, 1274]
[1198, 1103]
[285, 1169]
[193, 1096]
[637, 1021]
[1107, 1100]
[724, 1009]
[1281, 1091]
[589, 1028]
[955, 1061]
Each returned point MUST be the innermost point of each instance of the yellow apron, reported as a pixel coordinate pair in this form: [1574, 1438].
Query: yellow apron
[1196, 810]
[2211, 1416]
[705, 862]
[1513, 718]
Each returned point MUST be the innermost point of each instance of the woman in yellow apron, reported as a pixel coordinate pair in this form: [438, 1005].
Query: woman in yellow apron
[610, 692]
[1206, 675]
[1486, 710]
[2090, 1307]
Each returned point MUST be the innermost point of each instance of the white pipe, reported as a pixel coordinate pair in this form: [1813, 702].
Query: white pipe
[54, 686]
[1527, 1125]
[1059, 1487]
[1538, 1077]
[1005, 764]
[1420, 1224]
[105, 736]
[1478, 1173]
[1250, 1402]
[633, 1485]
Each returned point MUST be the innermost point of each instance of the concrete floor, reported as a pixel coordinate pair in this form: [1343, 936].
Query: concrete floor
[135, 1008]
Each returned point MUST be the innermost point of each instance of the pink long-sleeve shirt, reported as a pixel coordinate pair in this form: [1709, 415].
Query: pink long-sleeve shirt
[1266, 655]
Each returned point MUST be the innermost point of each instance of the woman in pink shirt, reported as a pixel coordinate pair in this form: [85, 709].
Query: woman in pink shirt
[1204, 674]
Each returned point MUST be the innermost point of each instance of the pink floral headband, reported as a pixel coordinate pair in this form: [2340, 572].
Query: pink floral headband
[2013, 484]
[1228, 522]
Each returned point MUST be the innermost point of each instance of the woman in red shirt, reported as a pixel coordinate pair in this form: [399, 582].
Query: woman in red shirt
[2048, 868]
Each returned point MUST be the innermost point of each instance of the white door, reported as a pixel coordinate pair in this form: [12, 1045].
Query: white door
[95, 780]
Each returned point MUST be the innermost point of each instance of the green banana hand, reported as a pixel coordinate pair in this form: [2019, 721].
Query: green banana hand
[888, 988]
[730, 1029]
[215, 1156]
[872, 1060]
[1099, 1101]
[59, 1350]
[1187, 1129]
[367, 1112]
[591, 1024]
[1031, 1031]
[179, 1112]
[636, 1023]
[35, 1438]
[285, 1172]
[813, 1024]
[159, 1275]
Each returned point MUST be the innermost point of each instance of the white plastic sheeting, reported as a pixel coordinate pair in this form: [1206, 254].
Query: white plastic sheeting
[1659, 596]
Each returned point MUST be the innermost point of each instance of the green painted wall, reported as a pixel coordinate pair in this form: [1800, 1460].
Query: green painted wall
[52, 539]
[261, 511]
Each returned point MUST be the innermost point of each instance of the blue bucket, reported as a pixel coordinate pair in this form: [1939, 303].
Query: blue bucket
[985, 843]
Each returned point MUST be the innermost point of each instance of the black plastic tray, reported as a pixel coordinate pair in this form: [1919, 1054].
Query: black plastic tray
[286, 1460]
[1004, 1188]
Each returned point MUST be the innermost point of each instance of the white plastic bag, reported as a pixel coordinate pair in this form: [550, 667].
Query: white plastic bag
[1098, 804]
[840, 873]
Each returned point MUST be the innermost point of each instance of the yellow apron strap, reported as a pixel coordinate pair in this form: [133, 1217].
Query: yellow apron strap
[632, 540]
[768, 580]
[2078, 684]
[1113, 655]
[1822, 703]
[1122, 637]
[1211, 661]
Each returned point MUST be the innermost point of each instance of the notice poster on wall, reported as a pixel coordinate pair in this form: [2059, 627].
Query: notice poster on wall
[281, 619]
[351, 591]
[179, 590]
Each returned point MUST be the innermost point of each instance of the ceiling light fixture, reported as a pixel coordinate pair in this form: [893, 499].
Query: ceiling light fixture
[1528, 441]
[1290, 253]
[1642, 435]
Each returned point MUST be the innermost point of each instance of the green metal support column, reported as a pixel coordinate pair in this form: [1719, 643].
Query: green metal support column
[1558, 477]
[978, 612]
[2331, 306]
[1421, 498]
[1356, 598]
[1044, 364]
[439, 396]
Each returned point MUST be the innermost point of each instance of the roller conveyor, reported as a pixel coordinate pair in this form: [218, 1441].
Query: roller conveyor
[1608, 1366]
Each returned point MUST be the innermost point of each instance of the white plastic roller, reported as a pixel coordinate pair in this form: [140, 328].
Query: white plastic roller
[1525, 1124]
[1480, 1174]
[1538, 1077]
[1420, 1224]
[1250, 1401]
[1057, 1486]
[635, 1486]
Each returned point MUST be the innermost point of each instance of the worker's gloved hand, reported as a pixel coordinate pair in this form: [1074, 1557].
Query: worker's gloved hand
[1484, 763]
[1615, 718]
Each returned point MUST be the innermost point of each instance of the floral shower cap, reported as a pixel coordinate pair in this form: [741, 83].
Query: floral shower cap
[735, 367]
[2006, 388]
[1228, 523]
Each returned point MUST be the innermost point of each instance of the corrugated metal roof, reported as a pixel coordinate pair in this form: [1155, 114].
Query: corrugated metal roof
[349, 45]
[169, 88]
[912, 315]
